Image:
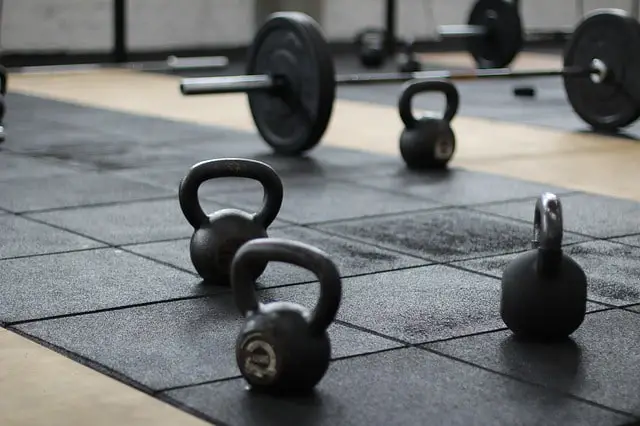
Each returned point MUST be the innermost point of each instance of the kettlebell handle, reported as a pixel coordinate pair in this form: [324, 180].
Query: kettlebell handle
[295, 253]
[547, 233]
[412, 88]
[231, 167]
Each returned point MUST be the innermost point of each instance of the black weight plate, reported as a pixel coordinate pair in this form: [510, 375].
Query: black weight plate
[613, 37]
[290, 46]
[503, 39]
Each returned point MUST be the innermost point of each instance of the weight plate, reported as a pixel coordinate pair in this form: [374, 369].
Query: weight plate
[290, 46]
[612, 37]
[503, 39]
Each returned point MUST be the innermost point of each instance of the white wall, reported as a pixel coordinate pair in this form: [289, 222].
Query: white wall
[86, 25]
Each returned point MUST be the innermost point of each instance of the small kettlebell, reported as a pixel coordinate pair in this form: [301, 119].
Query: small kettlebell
[284, 348]
[407, 60]
[218, 236]
[427, 142]
[370, 45]
[544, 291]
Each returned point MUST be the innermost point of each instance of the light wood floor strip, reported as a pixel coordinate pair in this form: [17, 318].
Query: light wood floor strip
[551, 156]
[39, 387]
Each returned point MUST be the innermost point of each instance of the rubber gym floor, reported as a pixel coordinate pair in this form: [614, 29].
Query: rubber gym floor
[105, 321]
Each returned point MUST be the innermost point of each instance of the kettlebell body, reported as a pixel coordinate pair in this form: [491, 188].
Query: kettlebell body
[427, 142]
[268, 344]
[544, 291]
[283, 348]
[218, 236]
[214, 243]
[370, 45]
[541, 306]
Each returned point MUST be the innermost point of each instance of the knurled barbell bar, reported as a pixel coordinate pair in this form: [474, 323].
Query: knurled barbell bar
[291, 79]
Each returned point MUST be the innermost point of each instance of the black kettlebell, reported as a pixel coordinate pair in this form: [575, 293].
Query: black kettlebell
[428, 142]
[218, 236]
[284, 348]
[407, 60]
[544, 291]
[370, 45]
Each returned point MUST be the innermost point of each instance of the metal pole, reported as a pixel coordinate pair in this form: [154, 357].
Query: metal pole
[390, 33]
[120, 31]
[246, 83]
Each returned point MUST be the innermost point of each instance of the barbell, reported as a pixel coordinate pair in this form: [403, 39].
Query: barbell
[291, 80]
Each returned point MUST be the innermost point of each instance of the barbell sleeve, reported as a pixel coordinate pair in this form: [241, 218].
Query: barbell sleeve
[464, 31]
[230, 84]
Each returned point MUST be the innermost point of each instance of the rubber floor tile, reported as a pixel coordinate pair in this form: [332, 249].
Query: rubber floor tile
[351, 258]
[595, 215]
[173, 344]
[442, 235]
[409, 387]
[131, 223]
[17, 167]
[23, 237]
[72, 191]
[69, 283]
[310, 203]
[613, 271]
[455, 186]
[599, 363]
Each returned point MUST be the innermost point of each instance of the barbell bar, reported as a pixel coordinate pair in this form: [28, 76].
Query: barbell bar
[291, 80]
[248, 83]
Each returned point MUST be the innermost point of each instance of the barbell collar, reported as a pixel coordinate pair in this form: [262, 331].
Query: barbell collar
[462, 31]
[227, 84]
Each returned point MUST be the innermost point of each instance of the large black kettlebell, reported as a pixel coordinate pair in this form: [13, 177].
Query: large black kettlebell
[370, 45]
[284, 348]
[544, 291]
[428, 142]
[218, 236]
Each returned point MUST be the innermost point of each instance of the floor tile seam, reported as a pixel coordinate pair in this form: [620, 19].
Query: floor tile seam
[352, 219]
[530, 222]
[76, 314]
[62, 228]
[531, 383]
[96, 205]
[53, 253]
[158, 261]
[83, 360]
[239, 376]
[408, 192]
[167, 399]
[432, 261]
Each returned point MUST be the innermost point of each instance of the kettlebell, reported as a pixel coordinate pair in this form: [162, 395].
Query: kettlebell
[370, 45]
[218, 236]
[407, 60]
[427, 142]
[284, 348]
[544, 291]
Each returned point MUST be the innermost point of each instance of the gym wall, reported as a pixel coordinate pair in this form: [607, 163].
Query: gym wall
[86, 26]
